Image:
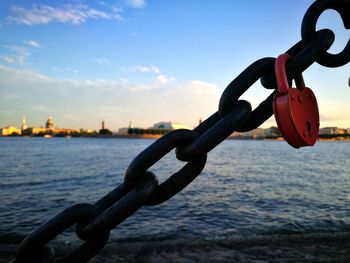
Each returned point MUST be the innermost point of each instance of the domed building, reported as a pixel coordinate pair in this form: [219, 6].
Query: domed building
[49, 123]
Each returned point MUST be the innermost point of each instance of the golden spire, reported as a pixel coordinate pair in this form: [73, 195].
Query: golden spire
[24, 123]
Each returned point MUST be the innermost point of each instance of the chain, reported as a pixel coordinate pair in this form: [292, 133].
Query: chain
[95, 221]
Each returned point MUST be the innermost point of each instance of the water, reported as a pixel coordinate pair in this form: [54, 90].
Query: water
[247, 188]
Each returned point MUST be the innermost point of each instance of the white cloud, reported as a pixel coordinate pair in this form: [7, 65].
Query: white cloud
[8, 59]
[333, 113]
[163, 79]
[16, 55]
[112, 7]
[116, 101]
[33, 43]
[136, 3]
[65, 70]
[11, 75]
[102, 61]
[44, 14]
[146, 69]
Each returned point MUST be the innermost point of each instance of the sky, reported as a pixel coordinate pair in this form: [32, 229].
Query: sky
[147, 61]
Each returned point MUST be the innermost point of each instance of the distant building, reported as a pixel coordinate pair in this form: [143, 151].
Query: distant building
[103, 129]
[272, 132]
[49, 123]
[169, 125]
[10, 130]
[123, 131]
[242, 134]
[162, 127]
[88, 131]
[41, 131]
[328, 131]
[34, 131]
[129, 129]
[340, 131]
[102, 125]
[48, 130]
[256, 133]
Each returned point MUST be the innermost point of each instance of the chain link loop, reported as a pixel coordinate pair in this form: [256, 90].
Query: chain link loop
[308, 29]
[155, 152]
[217, 133]
[95, 221]
[120, 211]
[32, 246]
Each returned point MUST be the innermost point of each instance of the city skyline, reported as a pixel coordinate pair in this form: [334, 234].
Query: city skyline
[104, 125]
[147, 61]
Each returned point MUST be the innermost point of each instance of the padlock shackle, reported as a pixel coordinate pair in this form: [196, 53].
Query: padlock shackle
[281, 75]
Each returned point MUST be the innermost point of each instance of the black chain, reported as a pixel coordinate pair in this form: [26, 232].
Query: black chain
[95, 221]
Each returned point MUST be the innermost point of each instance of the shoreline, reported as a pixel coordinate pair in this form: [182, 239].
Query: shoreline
[157, 136]
[316, 247]
[278, 248]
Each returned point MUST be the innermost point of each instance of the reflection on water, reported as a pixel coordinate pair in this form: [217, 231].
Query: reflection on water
[247, 187]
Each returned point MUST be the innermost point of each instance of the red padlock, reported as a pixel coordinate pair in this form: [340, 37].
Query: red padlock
[295, 109]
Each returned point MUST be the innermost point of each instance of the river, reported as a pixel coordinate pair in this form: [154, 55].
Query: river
[248, 187]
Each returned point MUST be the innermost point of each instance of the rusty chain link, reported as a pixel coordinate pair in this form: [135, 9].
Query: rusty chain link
[95, 221]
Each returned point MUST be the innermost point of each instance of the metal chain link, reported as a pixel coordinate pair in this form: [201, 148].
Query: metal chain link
[95, 221]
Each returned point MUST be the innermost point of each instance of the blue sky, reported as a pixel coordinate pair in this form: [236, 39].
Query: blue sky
[149, 61]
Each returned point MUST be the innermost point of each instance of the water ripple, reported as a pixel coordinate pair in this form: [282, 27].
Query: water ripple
[247, 187]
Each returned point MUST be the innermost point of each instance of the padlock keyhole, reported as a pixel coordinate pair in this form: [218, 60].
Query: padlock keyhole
[308, 127]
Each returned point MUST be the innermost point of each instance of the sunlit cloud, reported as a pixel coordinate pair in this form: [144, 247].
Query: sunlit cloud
[45, 14]
[117, 101]
[162, 79]
[33, 43]
[16, 76]
[334, 114]
[85, 102]
[146, 69]
[159, 82]
[136, 3]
